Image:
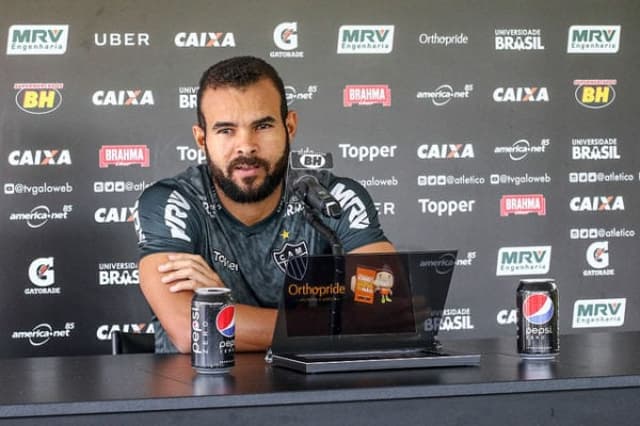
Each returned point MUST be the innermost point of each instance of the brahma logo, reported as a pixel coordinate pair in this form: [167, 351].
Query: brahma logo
[444, 93]
[537, 308]
[127, 97]
[522, 204]
[40, 157]
[208, 39]
[114, 215]
[594, 39]
[285, 37]
[363, 39]
[123, 155]
[521, 94]
[597, 256]
[370, 94]
[37, 39]
[121, 39]
[351, 204]
[38, 98]
[595, 94]
[597, 203]
[589, 313]
[445, 151]
[532, 260]
[594, 149]
[226, 321]
[518, 39]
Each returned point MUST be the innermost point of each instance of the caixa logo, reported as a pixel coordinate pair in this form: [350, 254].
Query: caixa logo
[445, 151]
[507, 316]
[40, 157]
[521, 94]
[114, 214]
[597, 203]
[104, 331]
[205, 39]
[44, 332]
[38, 98]
[127, 97]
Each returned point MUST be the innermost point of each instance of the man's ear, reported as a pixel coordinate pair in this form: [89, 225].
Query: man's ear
[291, 123]
[199, 136]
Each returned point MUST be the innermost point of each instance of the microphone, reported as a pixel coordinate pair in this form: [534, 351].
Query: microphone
[316, 196]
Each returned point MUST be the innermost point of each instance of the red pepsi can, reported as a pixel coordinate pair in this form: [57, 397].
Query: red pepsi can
[213, 323]
[537, 305]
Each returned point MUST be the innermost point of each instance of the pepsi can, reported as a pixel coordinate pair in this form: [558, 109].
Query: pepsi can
[537, 305]
[212, 330]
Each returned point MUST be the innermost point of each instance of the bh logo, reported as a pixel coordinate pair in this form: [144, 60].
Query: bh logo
[226, 321]
[538, 308]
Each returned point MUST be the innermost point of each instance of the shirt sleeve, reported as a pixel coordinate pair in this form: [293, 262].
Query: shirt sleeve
[165, 221]
[358, 225]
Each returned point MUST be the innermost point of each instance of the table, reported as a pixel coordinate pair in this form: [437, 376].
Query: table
[595, 380]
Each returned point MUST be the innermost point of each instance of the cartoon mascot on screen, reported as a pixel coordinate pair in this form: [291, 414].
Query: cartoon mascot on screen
[384, 283]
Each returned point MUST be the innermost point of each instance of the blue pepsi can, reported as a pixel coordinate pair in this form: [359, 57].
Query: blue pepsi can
[213, 323]
[537, 305]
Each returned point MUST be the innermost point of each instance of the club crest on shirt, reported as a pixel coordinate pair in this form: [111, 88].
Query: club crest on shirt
[292, 259]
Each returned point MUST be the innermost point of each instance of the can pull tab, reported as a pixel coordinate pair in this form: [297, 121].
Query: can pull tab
[268, 356]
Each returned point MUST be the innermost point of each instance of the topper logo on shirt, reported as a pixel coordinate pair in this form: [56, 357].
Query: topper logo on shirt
[291, 259]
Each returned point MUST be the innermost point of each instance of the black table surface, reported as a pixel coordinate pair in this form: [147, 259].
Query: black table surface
[50, 386]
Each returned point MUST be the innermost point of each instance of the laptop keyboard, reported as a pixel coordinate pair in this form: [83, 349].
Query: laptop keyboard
[369, 355]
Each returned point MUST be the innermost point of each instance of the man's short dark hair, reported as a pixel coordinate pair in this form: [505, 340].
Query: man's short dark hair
[239, 72]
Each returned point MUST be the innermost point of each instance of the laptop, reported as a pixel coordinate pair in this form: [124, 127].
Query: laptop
[361, 312]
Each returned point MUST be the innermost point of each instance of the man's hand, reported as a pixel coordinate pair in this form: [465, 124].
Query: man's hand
[187, 272]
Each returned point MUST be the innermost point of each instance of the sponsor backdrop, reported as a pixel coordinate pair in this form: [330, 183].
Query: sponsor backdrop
[505, 129]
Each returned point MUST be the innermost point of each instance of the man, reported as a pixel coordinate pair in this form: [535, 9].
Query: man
[222, 224]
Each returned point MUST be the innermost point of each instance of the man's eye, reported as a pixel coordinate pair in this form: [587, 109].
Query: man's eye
[223, 131]
[263, 126]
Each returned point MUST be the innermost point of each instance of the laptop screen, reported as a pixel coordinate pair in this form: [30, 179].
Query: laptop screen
[373, 297]
[362, 300]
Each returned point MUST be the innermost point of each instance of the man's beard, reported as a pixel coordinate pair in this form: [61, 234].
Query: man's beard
[253, 194]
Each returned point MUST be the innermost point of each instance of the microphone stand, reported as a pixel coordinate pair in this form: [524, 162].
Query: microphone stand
[335, 321]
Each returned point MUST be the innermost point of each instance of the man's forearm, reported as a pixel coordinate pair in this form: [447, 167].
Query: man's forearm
[254, 327]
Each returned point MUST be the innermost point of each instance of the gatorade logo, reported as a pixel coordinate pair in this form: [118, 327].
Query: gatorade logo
[226, 321]
[38, 98]
[595, 94]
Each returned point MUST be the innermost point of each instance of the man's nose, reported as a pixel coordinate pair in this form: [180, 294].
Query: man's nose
[246, 143]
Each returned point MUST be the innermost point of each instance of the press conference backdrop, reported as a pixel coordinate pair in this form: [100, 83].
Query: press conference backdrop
[505, 129]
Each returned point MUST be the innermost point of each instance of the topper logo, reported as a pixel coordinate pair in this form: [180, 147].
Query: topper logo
[538, 308]
[226, 321]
